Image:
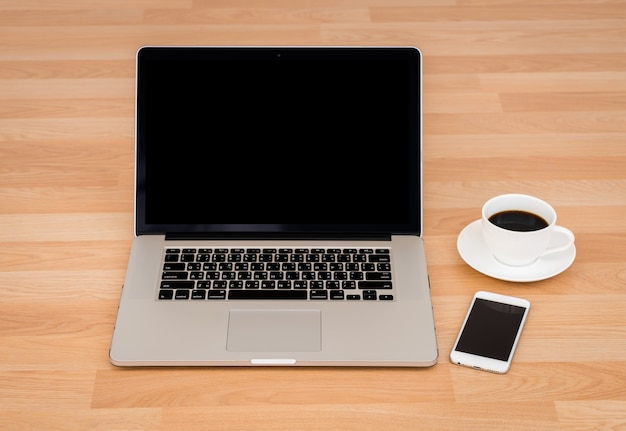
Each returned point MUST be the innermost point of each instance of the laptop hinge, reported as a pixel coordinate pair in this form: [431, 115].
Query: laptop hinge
[277, 236]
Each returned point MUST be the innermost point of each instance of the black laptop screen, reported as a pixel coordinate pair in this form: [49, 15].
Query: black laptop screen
[291, 140]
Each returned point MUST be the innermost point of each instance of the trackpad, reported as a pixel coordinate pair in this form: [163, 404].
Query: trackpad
[274, 331]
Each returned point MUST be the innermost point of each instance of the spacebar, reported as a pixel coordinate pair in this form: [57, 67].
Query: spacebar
[267, 294]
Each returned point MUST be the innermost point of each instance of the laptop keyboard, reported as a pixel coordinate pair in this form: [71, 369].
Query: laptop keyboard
[276, 273]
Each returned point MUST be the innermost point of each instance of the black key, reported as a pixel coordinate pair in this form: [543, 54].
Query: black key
[267, 294]
[166, 294]
[368, 267]
[229, 275]
[187, 257]
[219, 257]
[378, 276]
[284, 284]
[281, 258]
[173, 267]
[194, 266]
[296, 258]
[328, 258]
[340, 275]
[182, 294]
[244, 275]
[353, 297]
[348, 284]
[171, 258]
[324, 275]
[292, 275]
[320, 267]
[379, 258]
[308, 275]
[249, 257]
[386, 297]
[204, 257]
[252, 284]
[268, 284]
[343, 258]
[301, 284]
[198, 294]
[336, 294]
[312, 258]
[220, 284]
[218, 294]
[375, 285]
[174, 275]
[177, 284]
[369, 295]
[319, 294]
[234, 258]
[359, 258]
[356, 276]
[332, 285]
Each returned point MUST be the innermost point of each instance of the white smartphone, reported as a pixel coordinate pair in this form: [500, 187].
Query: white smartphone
[490, 332]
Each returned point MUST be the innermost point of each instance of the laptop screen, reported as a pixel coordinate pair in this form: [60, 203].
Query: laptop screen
[284, 140]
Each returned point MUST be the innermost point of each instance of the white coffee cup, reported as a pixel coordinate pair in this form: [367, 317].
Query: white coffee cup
[515, 236]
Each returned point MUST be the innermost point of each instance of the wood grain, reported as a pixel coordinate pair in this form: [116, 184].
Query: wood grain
[519, 96]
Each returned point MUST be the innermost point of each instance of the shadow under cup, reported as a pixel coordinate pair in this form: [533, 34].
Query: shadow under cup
[523, 229]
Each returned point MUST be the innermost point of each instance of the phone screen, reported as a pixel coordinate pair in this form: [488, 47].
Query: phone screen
[491, 329]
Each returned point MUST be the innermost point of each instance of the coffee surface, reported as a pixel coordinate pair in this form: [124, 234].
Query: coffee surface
[519, 221]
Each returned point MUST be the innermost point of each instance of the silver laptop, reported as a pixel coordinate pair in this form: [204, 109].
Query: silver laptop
[278, 210]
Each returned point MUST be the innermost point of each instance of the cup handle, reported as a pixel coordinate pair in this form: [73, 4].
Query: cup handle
[562, 232]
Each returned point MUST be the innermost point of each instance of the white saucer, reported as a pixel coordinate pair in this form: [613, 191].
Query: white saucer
[474, 252]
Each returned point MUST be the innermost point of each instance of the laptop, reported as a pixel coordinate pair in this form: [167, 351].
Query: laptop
[278, 210]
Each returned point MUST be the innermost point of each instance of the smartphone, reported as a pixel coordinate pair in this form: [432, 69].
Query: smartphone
[490, 332]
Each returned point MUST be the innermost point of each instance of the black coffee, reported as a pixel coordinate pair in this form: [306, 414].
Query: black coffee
[520, 221]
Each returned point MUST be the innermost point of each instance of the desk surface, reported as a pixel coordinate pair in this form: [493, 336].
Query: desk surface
[519, 96]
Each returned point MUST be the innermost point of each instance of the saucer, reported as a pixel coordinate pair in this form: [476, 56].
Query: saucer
[474, 252]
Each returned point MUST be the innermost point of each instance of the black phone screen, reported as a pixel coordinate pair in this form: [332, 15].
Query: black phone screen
[491, 329]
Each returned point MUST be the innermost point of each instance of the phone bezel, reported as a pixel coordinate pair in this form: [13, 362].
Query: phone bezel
[482, 362]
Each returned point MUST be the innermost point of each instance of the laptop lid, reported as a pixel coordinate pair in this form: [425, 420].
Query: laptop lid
[278, 141]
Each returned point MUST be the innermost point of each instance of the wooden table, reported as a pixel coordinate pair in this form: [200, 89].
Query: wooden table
[519, 96]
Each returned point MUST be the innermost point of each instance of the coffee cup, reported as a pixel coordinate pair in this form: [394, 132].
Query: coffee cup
[519, 229]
